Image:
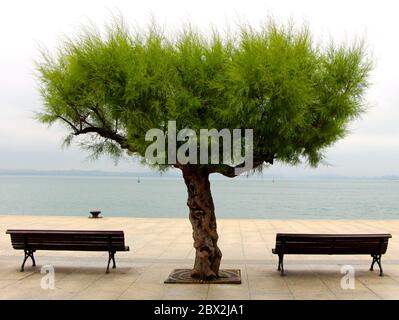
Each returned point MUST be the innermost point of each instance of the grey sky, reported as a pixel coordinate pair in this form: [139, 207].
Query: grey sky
[371, 149]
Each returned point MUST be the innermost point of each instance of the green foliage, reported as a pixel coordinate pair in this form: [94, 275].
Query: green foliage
[297, 97]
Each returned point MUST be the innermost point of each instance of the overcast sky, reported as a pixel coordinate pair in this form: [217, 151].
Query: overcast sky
[371, 149]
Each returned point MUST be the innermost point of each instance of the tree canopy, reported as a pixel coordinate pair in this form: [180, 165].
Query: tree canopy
[112, 87]
[297, 97]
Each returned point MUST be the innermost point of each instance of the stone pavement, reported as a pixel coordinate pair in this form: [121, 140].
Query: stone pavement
[160, 245]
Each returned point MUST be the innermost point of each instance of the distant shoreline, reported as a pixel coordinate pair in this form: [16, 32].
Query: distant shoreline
[177, 175]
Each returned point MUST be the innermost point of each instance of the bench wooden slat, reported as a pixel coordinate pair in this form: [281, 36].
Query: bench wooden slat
[293, 243]
[68, 240]
[63, 232]
[62, 247]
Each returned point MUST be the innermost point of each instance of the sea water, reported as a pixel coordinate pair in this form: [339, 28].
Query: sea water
[167, 197]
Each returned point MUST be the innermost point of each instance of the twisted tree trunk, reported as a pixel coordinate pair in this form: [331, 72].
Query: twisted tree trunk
[203, 221]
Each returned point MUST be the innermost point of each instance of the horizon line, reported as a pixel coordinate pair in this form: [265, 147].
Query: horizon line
[98, 172]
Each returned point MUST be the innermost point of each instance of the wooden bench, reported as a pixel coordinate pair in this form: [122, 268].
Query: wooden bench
[70, 240]
[292, 243]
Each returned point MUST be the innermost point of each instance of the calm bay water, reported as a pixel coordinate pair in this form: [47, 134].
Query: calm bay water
[166, 197]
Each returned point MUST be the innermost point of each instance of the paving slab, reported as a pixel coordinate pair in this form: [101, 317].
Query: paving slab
[160, 245]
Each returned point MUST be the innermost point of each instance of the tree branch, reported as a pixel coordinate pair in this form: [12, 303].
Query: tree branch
[107, 134]
[230, 172]
[74, 128]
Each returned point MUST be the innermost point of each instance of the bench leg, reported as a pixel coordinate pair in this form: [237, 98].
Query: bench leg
[377, 258]
[28, 254]
[281, 263]
[379, 264]
[372, 263]
[111, 256]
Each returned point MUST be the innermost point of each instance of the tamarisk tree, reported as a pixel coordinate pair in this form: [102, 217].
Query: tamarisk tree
[110, 88]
